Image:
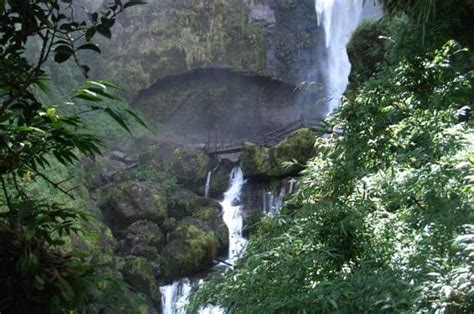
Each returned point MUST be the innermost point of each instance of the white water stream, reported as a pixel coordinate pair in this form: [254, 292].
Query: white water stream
[339, 19]
[174, 297]
[273, 201]
[232, 210]
[208, 184]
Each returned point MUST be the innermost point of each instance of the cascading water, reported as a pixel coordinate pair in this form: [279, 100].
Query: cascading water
[208, 184]
[176, 296]
[339, 19]
[292, 183]
[273, 201]
[232, 209]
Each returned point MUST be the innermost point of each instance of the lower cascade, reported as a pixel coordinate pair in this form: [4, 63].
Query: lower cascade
[232, 214]
[175, 297]
[273, 201]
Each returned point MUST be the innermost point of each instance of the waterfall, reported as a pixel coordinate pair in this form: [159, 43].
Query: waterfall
[273, 201]
[292, 185]
[339, 18]
[208, 184]
[176, 296]
[232, 209]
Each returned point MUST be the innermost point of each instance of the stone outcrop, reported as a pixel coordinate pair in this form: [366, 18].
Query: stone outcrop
[132, 201]
[262, 162]
[191, 248]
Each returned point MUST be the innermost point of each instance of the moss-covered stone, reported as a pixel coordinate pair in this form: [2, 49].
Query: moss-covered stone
[134, 303]
[138, 272]
[366, 50]
[220, 179]
[263, 162]
[298, 146]
[255, 160]
[143, 238]
[191, 248]
[131, 201]
[190, 167]
[95, 238]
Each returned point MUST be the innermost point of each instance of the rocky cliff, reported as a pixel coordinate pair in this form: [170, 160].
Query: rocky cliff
[223, 65]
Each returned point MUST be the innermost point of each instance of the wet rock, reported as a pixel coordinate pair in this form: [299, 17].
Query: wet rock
[263, 163]
[138, 272]
[143, 238]
[252, 201]
[132, 201]
[190, 167]
[191, 248]
[220, 179]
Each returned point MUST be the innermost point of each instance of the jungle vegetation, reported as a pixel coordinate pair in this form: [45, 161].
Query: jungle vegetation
[382, 220]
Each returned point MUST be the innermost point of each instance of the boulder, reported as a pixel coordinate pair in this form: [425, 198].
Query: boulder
[191, 248]
[298, 146]
[188, 204]
[184, 202]
[252, 203]
[255, 160]
[190, 167]
[138, 272]
[220, 179]
[101, 170]
[143, 238]
[132, 201]
[262, 163]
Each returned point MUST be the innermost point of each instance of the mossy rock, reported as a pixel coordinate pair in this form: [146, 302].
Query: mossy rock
[191, 249]
[298, 146]
[138, 272]
[95, 238]
[263, 163]
[190, 167]
[134, 303]
[366, 50]
[143, 238]
[220, 179]
[99, 171]
[185, 203]
[255, 160]
[132, 201]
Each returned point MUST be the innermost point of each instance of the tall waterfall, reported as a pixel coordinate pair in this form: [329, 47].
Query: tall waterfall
[339, 18]
[174, 297]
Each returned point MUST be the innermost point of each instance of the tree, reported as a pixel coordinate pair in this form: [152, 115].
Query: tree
[32, 133]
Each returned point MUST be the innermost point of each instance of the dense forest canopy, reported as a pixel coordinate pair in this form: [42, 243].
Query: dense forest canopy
[382, 217]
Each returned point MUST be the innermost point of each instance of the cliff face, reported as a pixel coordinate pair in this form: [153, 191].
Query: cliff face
[157, 48]
[270, 37]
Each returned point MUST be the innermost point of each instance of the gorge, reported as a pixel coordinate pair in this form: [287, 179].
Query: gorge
[243, 156]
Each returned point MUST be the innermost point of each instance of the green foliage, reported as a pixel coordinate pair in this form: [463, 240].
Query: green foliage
[384, 219]
[367, 49]
[35, 135]
[436, 19]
